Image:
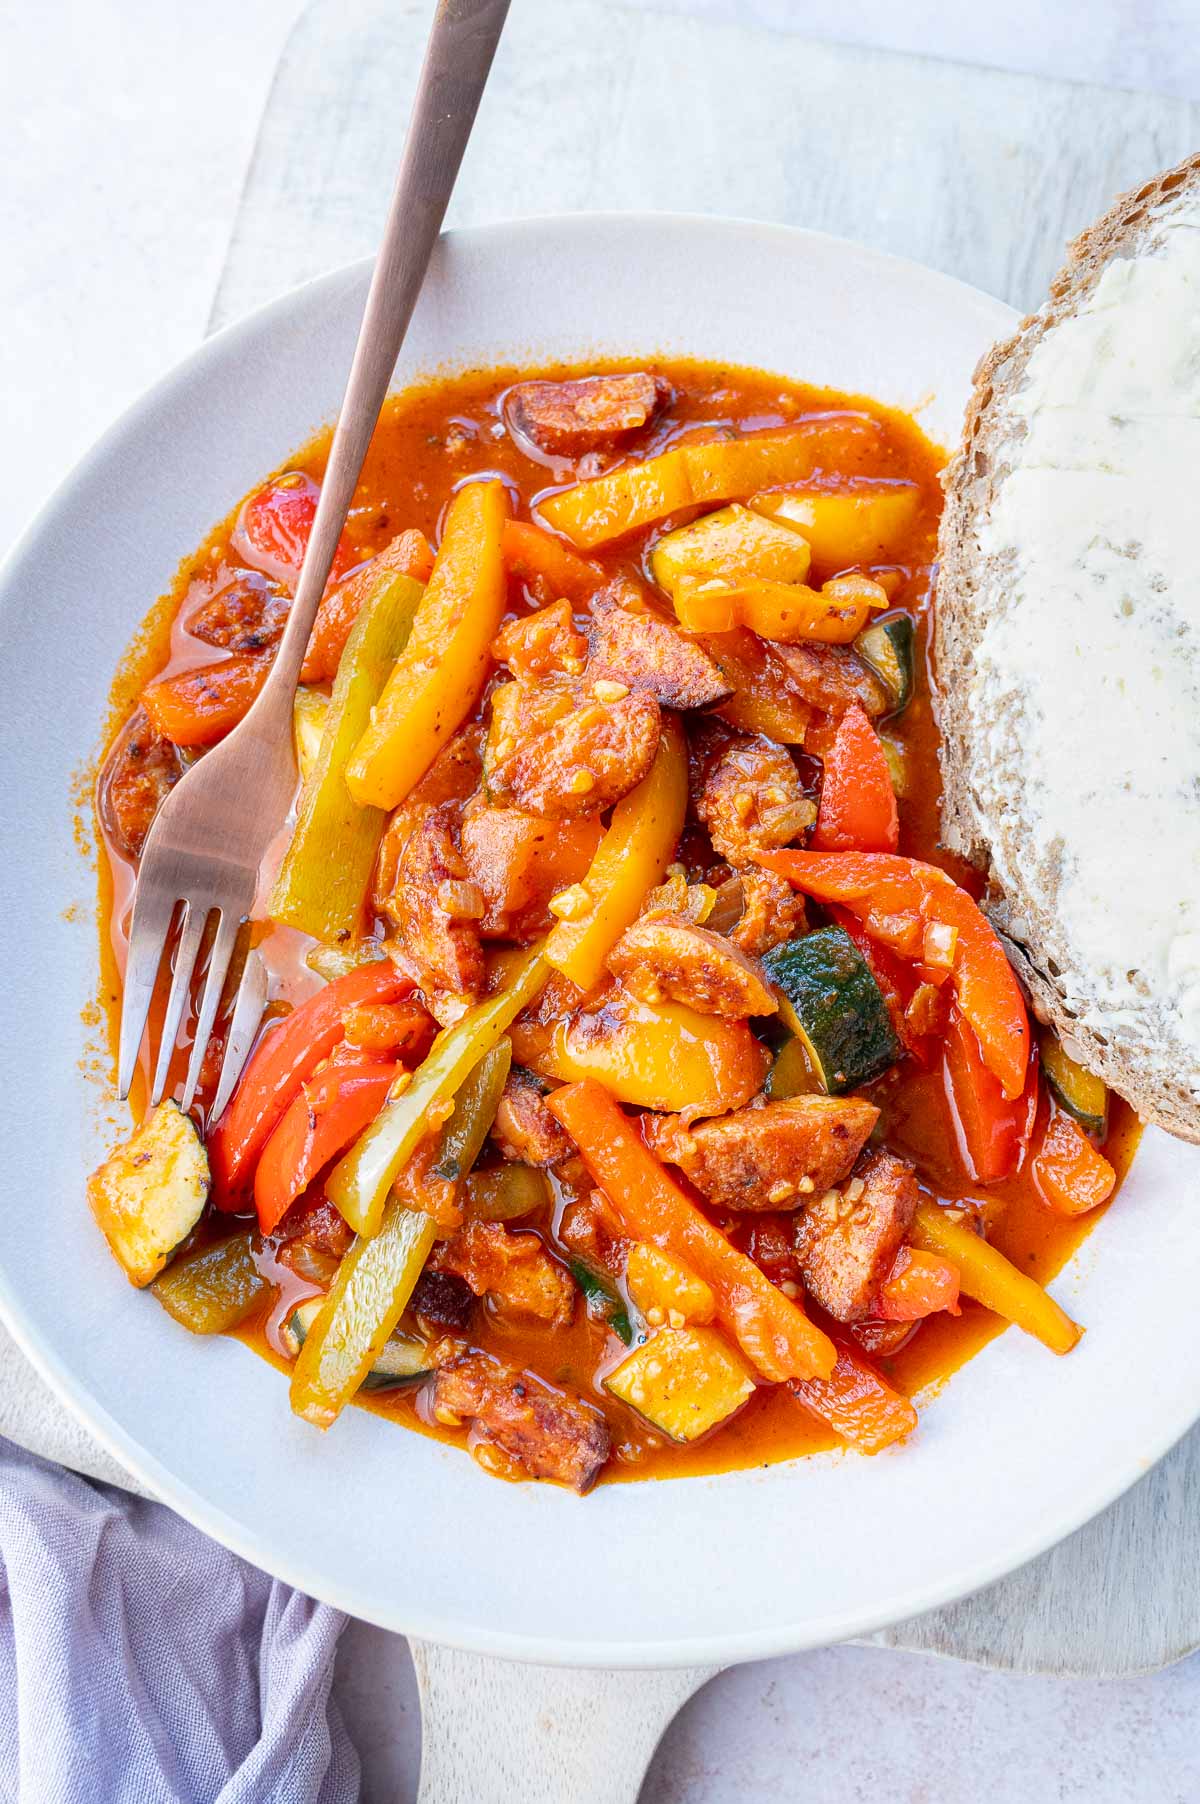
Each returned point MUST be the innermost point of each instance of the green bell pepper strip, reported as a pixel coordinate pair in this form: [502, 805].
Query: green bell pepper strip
[359, 1184]
[323, 879]
[214, 1289]
[368, 1297]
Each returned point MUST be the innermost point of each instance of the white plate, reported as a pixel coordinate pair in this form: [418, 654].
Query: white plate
[1016, 1451]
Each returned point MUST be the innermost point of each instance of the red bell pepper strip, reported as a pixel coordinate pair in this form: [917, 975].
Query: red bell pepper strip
[992, 1131]
[773, 1332]
[898, 899]
[889, 972]
[1070, 1174]
[332, 1109]
[918, 1285]
[857, 1403]
[273, 528]
[284, 1059]
[857, 811]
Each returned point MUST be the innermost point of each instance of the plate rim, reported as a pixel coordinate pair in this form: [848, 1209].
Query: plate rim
[69, 1384]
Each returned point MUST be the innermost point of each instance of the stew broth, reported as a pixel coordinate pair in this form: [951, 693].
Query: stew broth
[429, 440]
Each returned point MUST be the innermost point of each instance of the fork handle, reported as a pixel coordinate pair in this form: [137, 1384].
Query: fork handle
[458, 57]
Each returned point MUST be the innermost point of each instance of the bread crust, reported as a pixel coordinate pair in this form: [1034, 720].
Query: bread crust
[1132, 1064]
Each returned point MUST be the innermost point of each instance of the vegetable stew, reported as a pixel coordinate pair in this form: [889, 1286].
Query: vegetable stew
[641, 1091]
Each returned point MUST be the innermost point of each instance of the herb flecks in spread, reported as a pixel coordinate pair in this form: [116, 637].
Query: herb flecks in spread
[639, 1093]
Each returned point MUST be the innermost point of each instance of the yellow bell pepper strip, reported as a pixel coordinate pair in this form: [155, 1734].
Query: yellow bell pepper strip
[773, 1332]
[438, 678]
[322, 882]
[659, 1055]
[857, 1403]
[918, 911]
[985, 1274]
[658, 1280]
[366, 1300]
[214, 1289]
[359, 1183]
[785, 612]
[632, 858]
[719, 469]
[863, 524]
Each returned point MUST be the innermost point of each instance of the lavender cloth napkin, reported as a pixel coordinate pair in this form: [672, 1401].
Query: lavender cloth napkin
[140, 1663]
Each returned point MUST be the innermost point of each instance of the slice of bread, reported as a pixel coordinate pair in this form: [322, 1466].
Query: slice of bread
[1045, 744]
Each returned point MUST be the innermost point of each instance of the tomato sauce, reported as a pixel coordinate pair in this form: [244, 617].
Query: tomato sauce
[429, 440]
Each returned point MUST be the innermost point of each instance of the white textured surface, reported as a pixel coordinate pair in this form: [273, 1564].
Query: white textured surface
[855, 1726]
[124, 130]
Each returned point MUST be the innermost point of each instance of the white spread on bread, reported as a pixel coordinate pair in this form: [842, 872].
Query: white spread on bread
[1088, 668]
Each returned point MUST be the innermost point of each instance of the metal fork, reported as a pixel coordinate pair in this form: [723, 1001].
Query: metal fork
[203, 852]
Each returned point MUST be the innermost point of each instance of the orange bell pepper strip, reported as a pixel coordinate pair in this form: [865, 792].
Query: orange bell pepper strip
[441, 671]
[405, 1029]
[899, 900]
[785, 612]
[198, 707]
[1070, 1174]
[857, 1403]
[773, 1332]
[546, 564]
[284, 1059]
[764, 699]
[857, 811]
[632, 858]
[992, 1132]
[985, 1274]
[919, 1284]
[409, 554]
[718, 469]
[331, 1110]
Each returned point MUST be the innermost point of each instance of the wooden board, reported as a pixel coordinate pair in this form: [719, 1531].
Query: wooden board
[979, 173]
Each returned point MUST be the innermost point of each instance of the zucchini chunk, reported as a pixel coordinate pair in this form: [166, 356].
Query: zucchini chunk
[888, 645]
[214, 1289]
[684, 1381]
[149, 1196]
[831, 1002]
[1081, 1094]
[402, 1362]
